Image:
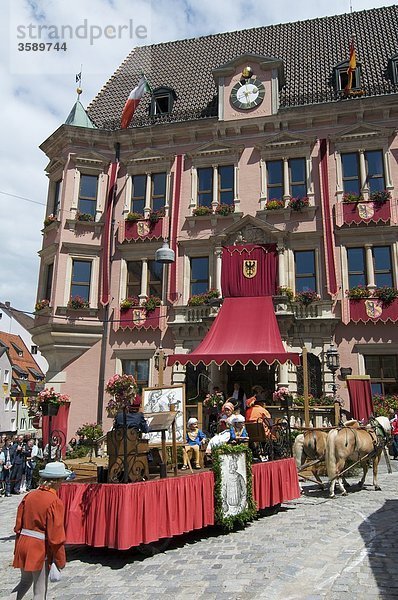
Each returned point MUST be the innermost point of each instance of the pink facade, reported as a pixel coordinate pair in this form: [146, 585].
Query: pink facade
[246, 141]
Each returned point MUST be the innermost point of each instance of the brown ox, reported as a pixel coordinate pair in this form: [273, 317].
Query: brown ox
[308, 447]
[357, 444]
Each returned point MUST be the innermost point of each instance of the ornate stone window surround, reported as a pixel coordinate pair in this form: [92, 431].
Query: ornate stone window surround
[214, 156]
[94, 167]
[285, 150]
[370, 270]
[196, 251]
[147, 164]
[137, 354]
[360, 143]
[291, 264]
[94, 280]
[144, 275]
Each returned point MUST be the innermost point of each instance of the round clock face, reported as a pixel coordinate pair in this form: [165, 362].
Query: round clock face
[247, 93]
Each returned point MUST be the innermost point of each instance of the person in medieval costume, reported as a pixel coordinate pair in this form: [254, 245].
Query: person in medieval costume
[234, 493]
[195, 440]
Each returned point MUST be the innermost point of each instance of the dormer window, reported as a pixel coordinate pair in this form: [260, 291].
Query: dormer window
[162, 101]
[341, 76]
[393, 68]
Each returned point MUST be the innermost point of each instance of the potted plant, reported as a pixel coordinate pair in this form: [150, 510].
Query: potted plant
[352, 197]
[283, 290]
[306, 297]
[275, 204]
[283, 397]
[357, 292]
[201, 211]
[123, 389]
[46, 403]
[225, 209]
[151, 303]
[48, 220]
[86, 217]
[42, 304]
[385, 406]
[90, 432]
[128, 303]
[155, 216]
[386, 294]
[298, 203]
[133, 217]
[77, 302]
[380, 197]
[212, 294]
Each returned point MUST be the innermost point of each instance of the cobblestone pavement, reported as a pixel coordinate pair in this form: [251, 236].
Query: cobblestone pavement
[313, 548]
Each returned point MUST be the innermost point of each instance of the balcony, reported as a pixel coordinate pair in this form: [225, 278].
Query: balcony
[362, 213]
[133, 231]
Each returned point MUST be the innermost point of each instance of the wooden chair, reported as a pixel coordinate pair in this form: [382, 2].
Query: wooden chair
[137, 456]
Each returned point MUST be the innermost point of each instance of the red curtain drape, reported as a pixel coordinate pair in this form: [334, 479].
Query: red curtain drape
[233, 281]
[361, 404]
[125, 515]
[59, 423]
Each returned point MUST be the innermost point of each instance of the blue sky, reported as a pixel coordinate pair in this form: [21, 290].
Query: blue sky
[38, 90]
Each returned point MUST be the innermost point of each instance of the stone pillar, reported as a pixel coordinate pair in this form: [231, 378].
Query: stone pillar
[362, 172]
[214, 203]
[218, 254]
[286, 181]
[281, 265]
[369, 267]
[283, 377]
[144, 279]
[148, 190]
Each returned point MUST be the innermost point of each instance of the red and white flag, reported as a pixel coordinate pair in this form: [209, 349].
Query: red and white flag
[133, 101]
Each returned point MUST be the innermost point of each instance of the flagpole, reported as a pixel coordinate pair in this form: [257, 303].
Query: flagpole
[105, 337]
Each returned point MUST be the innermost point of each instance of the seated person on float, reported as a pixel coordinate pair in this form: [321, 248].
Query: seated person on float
[237, 430]
[134, 418]
[195, 440]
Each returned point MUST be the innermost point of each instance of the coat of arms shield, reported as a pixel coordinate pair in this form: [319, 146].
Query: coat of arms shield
[249, 268]
[373, 308]
[142, 228]
[139, 316]
[366, 211]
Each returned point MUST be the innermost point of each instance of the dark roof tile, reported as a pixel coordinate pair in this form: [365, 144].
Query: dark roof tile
[309, 49]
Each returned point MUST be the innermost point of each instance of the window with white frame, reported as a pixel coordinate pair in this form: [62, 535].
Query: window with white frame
[6, 379]
[148, 191]
[56, 197]
[22, 424]
[376, 264]
[305, 271]
[281, 184]
[88, 189]
[383, 371]
[209, 179]
[144, 278]
[341, 76]
[81, 279]
[199, 275]
[7, 403]
[139, 369]
[48, 281]
[371, 175]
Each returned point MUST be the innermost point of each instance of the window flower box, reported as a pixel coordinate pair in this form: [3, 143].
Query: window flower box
[85, 217]
[50, 220]
[363, 212]
[77, 303]
[357, 293]
[297, 204]
[206, 298]
[306, 298]
[225, 210]
[142, 229]
[41, 305]
[139, 317]
[275, 204]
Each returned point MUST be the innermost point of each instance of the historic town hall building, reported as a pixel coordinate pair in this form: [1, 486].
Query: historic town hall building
[270, 176]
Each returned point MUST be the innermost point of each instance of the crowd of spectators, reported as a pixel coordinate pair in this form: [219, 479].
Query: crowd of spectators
[19, 456]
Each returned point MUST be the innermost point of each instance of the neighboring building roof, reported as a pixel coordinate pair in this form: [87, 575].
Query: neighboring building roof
[22, 363]
[24, 320]
[78, 117]
[309, 49]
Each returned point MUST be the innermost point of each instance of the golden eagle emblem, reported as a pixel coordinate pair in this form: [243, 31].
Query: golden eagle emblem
[249, 268]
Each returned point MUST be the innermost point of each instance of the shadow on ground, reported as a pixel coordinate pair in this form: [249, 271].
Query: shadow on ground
[380, 532]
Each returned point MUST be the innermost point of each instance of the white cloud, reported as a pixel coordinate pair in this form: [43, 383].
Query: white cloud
[38, 91]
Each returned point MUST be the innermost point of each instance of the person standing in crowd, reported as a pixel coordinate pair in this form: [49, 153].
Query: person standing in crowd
[6, 456]
[40, 533]
[29, 464]
[394, 433]
[18, 465]
[239, 397]
[55, 452]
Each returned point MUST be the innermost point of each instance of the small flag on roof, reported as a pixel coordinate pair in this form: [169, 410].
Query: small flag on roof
[133, 101]
[352, 65]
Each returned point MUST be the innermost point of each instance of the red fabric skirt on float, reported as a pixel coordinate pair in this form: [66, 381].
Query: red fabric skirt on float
[125, 515]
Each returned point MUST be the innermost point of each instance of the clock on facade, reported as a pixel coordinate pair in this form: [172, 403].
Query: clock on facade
[247, 93]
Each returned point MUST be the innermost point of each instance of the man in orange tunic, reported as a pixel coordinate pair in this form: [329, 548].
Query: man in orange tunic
[40, 533]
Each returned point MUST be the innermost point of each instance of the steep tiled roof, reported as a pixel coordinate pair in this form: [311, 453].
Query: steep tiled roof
[24, 362]
[309, 49]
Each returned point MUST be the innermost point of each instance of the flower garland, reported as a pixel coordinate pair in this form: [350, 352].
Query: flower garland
[250, 511]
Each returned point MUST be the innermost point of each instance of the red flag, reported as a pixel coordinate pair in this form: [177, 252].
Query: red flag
[133, 101]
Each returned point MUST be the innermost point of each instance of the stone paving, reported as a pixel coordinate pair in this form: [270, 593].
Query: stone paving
[313, 548]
